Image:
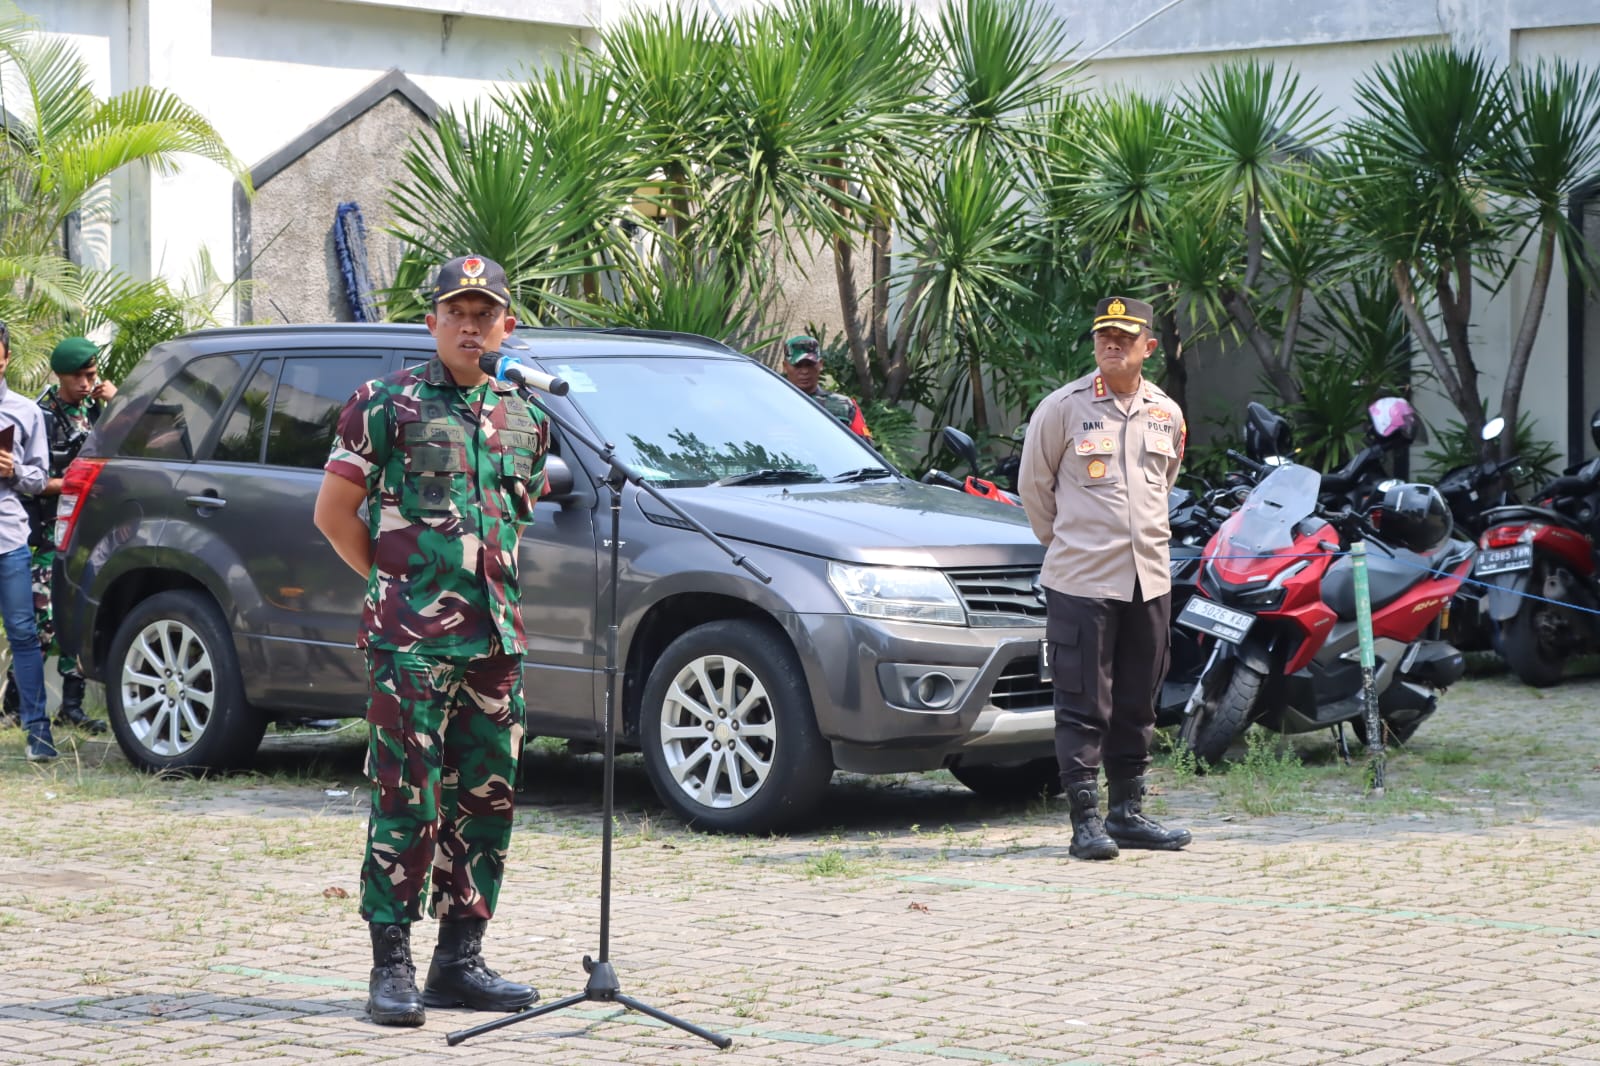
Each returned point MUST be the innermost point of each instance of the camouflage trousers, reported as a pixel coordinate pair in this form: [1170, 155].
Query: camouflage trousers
[44, 560]
[443, 739]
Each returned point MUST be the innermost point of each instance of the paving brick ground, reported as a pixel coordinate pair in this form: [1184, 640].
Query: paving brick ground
[1457, 922]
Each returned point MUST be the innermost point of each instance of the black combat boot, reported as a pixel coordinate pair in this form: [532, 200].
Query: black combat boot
[458, 976]
[1089, 840]
[71, 710]
[392, 997]
[1128, 826]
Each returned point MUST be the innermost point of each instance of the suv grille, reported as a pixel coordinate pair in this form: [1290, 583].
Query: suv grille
[1001, 596]
[1019, 687]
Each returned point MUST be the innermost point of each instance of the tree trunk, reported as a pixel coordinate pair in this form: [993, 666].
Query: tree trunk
[1283, 383]
[1446, 373]
[882, 349]
[850, 309]
[1522, 348]
[980, 405]
[1455, 306]
[1176, 382]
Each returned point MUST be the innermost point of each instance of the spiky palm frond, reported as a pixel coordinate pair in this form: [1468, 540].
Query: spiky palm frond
[1003, 68]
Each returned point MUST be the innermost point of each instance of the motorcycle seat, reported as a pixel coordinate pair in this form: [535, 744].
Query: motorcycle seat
[1390, 572]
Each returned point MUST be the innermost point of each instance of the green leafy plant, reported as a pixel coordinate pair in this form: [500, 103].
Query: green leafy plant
[1455, 446]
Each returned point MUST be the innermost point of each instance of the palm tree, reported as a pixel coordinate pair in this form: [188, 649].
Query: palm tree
[1426, 158]
[61, 143]
[1555, 151]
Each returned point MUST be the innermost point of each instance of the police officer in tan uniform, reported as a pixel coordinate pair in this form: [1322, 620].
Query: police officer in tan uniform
[1101, 454]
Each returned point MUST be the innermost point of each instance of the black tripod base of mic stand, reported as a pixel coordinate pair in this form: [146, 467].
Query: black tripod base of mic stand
[603, 987]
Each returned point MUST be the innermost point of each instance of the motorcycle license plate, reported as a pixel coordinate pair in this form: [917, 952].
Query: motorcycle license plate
[1503, 560]
[1221, 622]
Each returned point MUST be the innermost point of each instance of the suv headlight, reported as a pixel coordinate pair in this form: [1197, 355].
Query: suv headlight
[899, 593]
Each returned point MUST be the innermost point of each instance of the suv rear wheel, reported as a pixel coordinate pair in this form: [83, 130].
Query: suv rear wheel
[173, 691]
[729, 735]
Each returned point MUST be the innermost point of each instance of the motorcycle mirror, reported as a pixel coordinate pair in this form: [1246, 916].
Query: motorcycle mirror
[962, 445]
[1493, 428]
[1594, 428]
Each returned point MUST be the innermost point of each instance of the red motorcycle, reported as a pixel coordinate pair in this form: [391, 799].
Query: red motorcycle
[1277, 601]
[1543, 582]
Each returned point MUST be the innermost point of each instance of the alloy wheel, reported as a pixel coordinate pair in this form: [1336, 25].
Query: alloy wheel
[718, 732]
[168, 687]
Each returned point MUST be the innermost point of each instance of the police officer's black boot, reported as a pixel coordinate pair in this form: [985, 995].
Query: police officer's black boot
[1127, 824]
[71, 710]
[1089, 839]
[392, 996]
[458, 976]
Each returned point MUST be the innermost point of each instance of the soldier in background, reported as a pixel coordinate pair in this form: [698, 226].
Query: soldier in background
[449, 463]
[802, 365]
[71, 408]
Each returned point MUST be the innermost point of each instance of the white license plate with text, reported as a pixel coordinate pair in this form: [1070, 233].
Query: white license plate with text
[1221, 622]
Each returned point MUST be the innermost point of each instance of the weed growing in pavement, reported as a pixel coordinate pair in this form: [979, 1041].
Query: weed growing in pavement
[832, 863]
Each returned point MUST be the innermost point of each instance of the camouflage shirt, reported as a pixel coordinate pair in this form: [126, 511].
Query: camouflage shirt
[451, 475]
[844, 409]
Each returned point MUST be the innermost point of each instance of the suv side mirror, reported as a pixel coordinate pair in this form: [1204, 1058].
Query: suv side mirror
[559, 475]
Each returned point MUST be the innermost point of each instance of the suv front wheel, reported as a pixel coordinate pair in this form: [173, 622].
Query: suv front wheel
[173, 691]
[729, 736]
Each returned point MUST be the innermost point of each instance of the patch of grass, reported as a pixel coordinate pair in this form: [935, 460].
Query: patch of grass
[832, 863]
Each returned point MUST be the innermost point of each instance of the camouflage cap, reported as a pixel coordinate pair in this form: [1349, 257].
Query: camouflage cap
[801, 348]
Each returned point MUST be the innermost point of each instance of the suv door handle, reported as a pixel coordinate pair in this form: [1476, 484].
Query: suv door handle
[206, 503]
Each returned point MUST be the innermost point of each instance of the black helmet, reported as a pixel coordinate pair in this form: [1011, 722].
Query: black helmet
[1412, 516]
[1265, 433]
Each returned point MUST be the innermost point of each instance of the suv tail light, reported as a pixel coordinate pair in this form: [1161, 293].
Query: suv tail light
[75, 486]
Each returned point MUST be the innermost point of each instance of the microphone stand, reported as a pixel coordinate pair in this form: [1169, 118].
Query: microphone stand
[603, 985]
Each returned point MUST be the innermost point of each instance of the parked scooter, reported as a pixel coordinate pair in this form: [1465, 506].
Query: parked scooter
[1538, 561]
[1278, 600]
[963, 446]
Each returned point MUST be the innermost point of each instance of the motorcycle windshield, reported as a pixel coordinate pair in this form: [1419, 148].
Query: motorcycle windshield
[1270, 513]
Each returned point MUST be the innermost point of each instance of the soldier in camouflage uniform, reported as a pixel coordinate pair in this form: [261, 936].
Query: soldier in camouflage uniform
[450, 463]
[71, 408]
[802, 365]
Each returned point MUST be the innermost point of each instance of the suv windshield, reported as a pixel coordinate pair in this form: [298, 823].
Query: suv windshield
[692, 421]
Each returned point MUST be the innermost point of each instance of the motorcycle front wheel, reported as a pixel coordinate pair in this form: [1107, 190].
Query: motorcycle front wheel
[1214, 726]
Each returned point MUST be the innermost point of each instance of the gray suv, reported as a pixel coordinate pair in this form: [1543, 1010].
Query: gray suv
[900, 631]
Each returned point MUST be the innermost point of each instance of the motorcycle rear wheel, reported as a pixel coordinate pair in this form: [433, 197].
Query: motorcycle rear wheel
[1530, 655]
[1219, 724]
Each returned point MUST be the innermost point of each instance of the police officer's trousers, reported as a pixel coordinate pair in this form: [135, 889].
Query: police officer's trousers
[1108, 658]
[444, 736]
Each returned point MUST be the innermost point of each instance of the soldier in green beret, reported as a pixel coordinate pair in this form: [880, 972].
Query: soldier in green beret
[71, 408]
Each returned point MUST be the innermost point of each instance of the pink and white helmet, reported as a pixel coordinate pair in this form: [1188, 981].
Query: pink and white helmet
[1392, 416]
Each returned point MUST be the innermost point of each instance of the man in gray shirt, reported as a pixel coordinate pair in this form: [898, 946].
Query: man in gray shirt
[24, 469]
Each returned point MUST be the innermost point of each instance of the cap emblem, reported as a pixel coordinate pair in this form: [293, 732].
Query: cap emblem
[472, 267]
[1116, 307]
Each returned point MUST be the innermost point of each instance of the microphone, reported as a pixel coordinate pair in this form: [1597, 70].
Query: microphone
[505, 368]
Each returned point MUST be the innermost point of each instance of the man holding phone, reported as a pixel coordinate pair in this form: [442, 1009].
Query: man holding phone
[24, 471]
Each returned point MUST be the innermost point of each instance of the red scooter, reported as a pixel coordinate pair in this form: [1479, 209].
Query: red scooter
[1277, 602]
